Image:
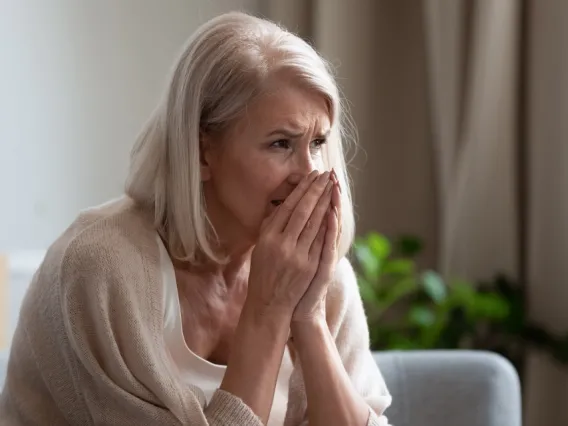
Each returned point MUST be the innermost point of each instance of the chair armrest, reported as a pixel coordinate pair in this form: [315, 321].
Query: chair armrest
[451, 388]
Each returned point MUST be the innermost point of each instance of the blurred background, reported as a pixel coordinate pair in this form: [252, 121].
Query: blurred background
[460, 178]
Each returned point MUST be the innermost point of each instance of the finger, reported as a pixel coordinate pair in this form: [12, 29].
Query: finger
[336, 196]
[305, 207]
[268, 220]
[336, 203]
[329, 248]
[336, 179]
[284, 211]
[317, 244]
[318, 216]
[336, 200]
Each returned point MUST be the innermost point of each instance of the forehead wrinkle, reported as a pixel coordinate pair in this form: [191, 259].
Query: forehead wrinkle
[298, 120]
[300, 123]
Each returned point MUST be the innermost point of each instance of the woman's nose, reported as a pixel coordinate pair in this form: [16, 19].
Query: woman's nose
[302, 167]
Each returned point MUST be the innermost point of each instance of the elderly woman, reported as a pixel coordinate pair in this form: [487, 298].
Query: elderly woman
[215, 291]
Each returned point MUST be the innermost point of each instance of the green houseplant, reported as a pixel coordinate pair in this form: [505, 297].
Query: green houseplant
[408, 308]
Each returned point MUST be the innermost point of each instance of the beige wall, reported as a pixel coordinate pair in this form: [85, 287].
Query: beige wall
[3, 302]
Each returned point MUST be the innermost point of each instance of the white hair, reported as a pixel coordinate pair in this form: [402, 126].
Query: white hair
[224, 66]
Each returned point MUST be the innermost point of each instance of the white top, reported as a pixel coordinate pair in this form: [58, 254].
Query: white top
[198, 371]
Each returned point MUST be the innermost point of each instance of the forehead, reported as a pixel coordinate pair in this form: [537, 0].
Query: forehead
[288, 106]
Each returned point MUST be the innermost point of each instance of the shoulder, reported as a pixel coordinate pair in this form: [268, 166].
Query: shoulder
[109, 270]
[106, 243]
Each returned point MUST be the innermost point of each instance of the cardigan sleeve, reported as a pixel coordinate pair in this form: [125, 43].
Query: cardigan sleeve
[112, 315]
[351, 333]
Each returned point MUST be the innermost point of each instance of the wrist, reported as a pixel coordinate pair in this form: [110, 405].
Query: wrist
[255, 357]
[272, 320]
[306, 328]
[259, 338]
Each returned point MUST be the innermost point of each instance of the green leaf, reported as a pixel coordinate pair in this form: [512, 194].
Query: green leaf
[462, 295]
[398, 267]
[380, 246]
[369, 263]
[401, 342]
[462, 292]
[409, 246]
[431, 336]
[434, 286]
[422, 316]
[398, 291]
[491, 306]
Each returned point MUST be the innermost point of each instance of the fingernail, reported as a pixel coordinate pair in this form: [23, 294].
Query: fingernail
[329, 187]
[336, 181]
[338, 186]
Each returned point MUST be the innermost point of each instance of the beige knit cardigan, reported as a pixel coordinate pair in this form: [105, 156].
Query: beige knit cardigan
[89, 347]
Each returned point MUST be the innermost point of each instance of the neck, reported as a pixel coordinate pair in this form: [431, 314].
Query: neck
[234, 270]
[237, 267]
[234, 244]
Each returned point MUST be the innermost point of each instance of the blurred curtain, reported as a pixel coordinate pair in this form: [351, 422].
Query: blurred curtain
[546, 127]
[462, 112]
[472, 68]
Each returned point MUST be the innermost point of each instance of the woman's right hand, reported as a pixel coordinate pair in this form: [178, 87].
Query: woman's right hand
[284, 263]
[287, 254]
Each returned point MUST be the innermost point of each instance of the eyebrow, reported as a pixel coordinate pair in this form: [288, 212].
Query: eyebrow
[294, 135]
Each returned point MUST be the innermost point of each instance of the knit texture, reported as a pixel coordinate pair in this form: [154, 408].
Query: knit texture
[89, 349]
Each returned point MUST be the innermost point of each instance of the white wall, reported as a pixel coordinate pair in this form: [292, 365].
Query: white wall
[77, 81]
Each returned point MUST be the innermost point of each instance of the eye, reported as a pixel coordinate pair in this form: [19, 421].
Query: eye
[281, 143]
[318, 143]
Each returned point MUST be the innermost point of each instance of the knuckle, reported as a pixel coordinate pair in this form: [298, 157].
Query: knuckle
[323, 205]
[298, 258]
[275, 246]
[287, 207]
[285, 249]
[303, 213]
[300, 261]
[268, 240]
[322, 180]
[310, 225]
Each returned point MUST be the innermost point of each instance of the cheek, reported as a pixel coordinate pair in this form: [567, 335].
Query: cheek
[248, 190]
[259, 185]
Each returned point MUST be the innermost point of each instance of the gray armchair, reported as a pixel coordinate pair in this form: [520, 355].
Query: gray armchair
[442, 388]
[451, 388]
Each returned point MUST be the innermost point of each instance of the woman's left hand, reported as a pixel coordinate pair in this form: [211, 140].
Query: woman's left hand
[312, 304]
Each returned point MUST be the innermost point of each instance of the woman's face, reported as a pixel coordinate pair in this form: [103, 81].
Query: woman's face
[253, 166]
